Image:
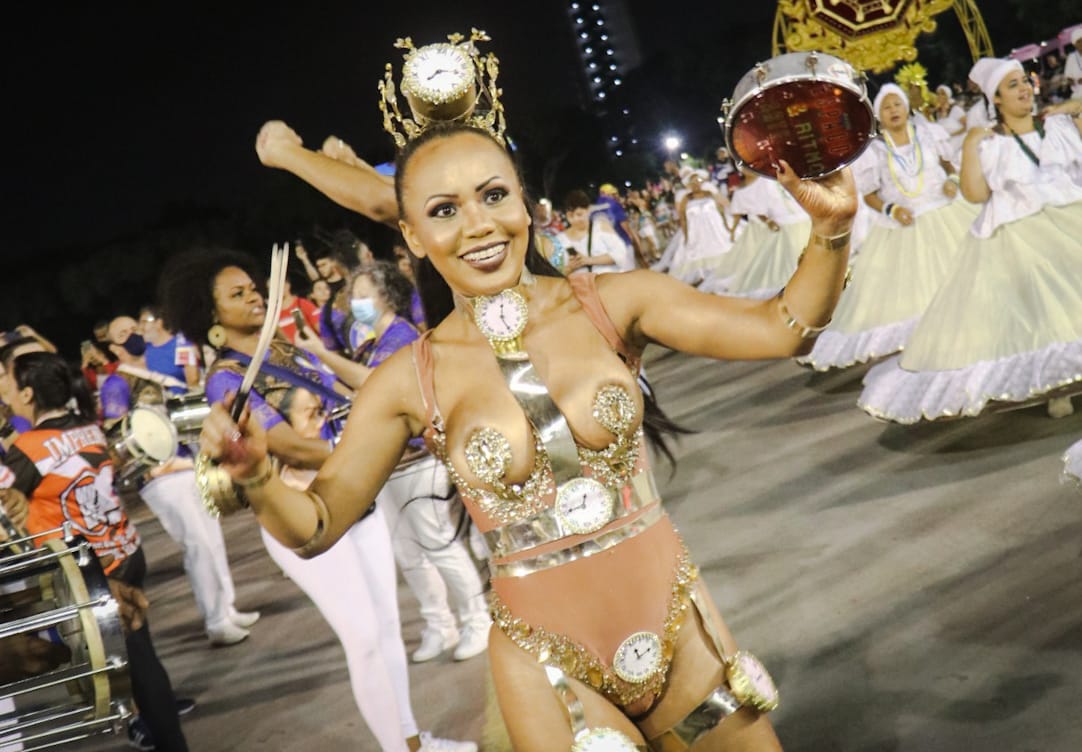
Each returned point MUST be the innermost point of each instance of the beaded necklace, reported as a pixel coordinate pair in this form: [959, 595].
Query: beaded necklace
[893, 157]
[1037, 126]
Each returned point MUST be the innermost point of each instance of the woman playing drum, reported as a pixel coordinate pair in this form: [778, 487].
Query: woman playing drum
[63, 467]
[212, 297]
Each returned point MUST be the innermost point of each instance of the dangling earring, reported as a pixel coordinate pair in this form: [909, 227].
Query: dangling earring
[216, 336]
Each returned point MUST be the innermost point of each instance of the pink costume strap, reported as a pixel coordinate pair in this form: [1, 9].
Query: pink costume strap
[422, 365]
[585, 288]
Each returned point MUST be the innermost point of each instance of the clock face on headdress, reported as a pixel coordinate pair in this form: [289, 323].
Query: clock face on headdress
[437, 73]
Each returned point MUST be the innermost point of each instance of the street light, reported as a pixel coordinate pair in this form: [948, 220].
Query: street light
[671, 142]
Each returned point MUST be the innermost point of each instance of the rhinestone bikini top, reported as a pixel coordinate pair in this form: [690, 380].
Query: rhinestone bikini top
[488, 455]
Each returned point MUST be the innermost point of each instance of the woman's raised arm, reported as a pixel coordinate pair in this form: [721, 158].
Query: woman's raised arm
[652, 307]
[356, 187]
[383, 417]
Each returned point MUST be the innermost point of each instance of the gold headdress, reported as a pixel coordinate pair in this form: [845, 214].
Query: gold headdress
[914, 74]
[443, 83]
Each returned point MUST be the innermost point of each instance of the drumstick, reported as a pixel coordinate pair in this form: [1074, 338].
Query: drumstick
[279, 264]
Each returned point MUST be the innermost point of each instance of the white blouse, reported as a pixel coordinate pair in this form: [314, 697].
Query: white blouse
[1019, 187]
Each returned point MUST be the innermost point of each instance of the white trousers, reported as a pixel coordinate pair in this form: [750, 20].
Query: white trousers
[353, 585]
[424, 518]
[174, 500]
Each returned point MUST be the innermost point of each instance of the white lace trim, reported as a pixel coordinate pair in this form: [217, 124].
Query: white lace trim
[1072, 464]
[894, 394]
[840, 350]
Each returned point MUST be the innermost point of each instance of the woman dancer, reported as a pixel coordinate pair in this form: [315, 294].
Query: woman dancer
[212, 298]
[1006, 325]
[594, 628]
[906, 257]
[418, 501]
[706, 234]
[766, 254]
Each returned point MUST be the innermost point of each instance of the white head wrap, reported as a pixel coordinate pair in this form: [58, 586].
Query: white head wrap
[989, 72]
[1076, 35]
[685, 171]
[885, 90]
[944, 87]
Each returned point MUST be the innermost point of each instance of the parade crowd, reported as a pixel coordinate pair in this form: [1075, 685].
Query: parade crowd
[962, 295]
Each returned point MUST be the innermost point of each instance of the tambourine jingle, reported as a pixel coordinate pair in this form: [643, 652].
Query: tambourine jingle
[816, 126]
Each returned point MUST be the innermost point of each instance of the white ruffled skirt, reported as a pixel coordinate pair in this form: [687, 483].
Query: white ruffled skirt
[760, 262]
[1005, 326]
[894, 279]
[1072, 463]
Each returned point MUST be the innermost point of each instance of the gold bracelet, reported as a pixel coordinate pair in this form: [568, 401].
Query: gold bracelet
[831, 242]
[314, 544]
[791, 321]
[216, 488]
[259, 480]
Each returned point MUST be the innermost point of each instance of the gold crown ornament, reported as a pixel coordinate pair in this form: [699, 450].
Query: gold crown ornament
[446, 82]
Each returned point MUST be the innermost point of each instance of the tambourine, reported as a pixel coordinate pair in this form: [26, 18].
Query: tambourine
[809, 108]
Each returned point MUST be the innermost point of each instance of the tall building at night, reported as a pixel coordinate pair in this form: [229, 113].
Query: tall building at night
[607, 51]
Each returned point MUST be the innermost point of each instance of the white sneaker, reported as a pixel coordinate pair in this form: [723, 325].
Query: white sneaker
[1060, 407]
[474, 641]
[433, 643]
[227, 634]
[430, 743]
[244, 619]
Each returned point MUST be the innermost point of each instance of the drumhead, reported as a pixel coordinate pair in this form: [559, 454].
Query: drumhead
[153, 433]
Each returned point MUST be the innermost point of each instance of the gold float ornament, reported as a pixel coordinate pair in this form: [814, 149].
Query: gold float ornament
[872, 35]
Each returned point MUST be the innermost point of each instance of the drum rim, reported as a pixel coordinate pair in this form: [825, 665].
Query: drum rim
[862, 97]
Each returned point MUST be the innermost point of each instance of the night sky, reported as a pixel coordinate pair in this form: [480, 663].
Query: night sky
[120, 113]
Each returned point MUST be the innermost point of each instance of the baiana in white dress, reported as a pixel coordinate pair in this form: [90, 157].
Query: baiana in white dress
[899, 268]
[708, 239]
[1006, 325]
[762, 260]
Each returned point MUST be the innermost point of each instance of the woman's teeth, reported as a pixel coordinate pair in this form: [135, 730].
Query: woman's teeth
[484, 254]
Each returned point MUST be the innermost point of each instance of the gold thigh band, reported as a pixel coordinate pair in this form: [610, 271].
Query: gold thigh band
[717, 706]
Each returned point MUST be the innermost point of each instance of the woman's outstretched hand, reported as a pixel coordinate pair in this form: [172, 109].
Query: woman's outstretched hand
[830, 201]
[275, 138]
[239, 448]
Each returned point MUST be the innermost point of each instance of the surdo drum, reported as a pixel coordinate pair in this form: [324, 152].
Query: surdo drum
[59, 592]
[187, 413]
[809, 108]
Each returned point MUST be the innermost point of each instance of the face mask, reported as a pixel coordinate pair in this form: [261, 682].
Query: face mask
[364, 310]
[135, 345]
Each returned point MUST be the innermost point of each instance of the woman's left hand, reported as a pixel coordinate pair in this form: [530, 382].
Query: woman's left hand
[830, 201]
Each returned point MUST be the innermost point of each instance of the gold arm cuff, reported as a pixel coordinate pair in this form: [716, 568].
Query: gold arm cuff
[831, 242]
[793, 323]
[216, 488]
[314, 545]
